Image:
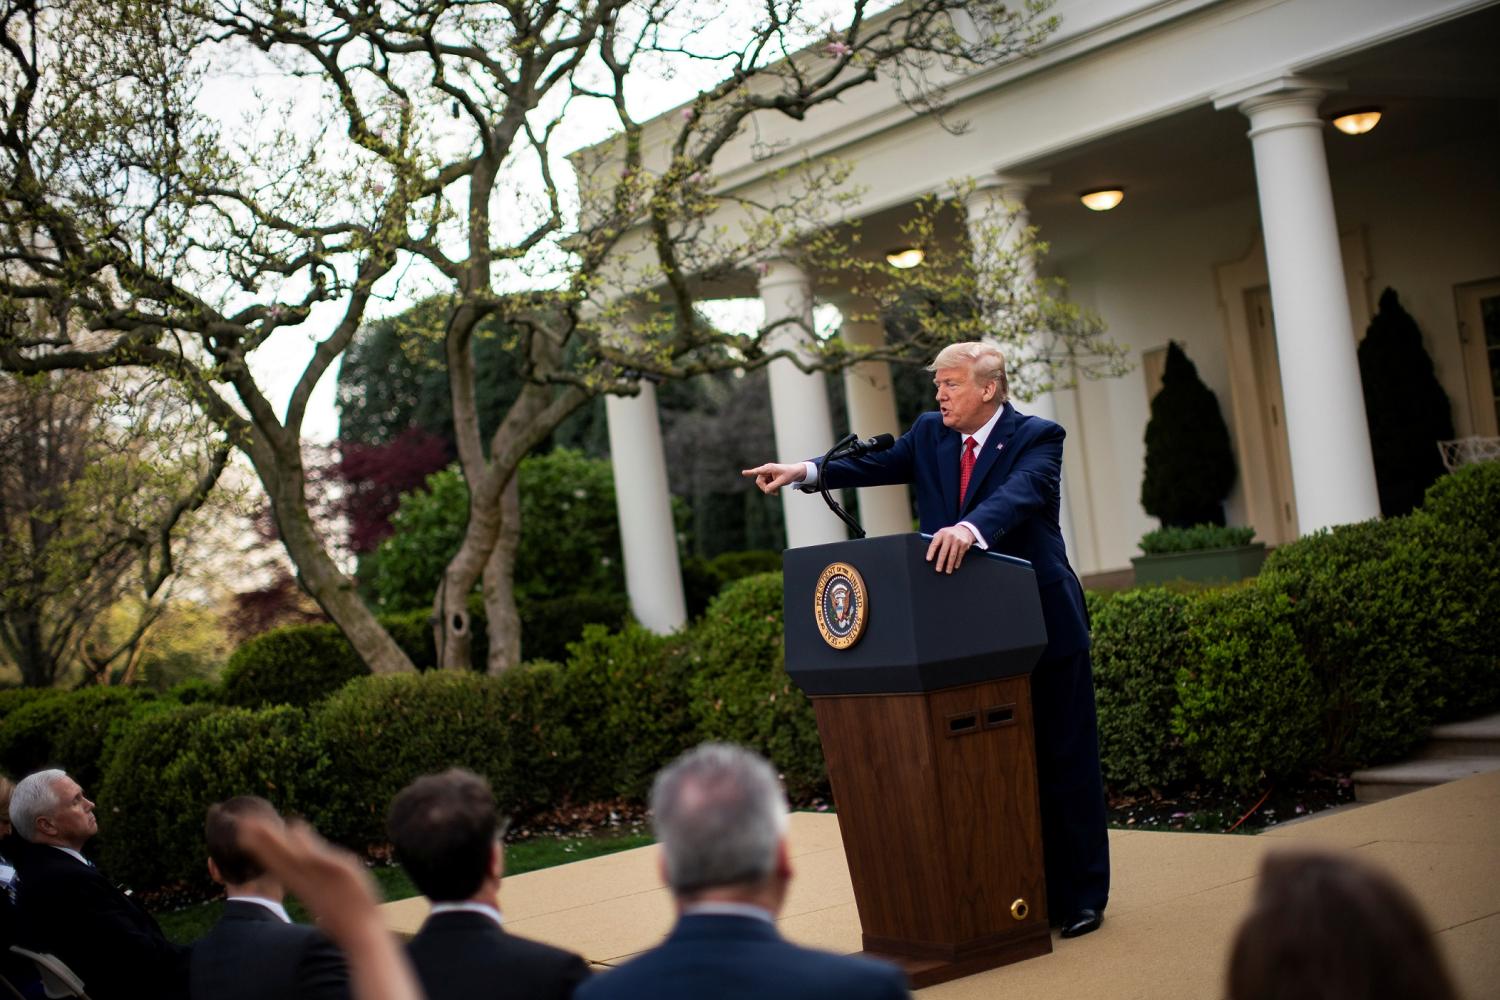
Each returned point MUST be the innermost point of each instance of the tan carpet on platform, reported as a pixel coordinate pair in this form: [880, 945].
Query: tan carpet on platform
[1176, 899]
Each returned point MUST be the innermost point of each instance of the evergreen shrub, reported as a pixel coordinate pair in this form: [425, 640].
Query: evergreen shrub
[381, 732]
[169, 767]
[627, 693]
[549, 625]
[13, 699]
[293, 665]
[1456, 527]
[1407, 410]
[1189, 459]
[70, 731]
[1141, 641]
[1196, 538]
[1368, 609]
[1248, 704]
[739, 688]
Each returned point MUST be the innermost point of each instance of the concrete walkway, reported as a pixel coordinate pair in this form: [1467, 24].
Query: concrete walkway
[1176, 901]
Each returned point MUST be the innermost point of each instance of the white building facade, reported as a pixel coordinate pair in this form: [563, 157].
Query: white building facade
[1251, 232]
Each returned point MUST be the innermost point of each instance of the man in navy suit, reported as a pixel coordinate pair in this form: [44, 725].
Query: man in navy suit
[989, 476]
[447, 836]
[720, 816]
[255, 952]
[69, 908]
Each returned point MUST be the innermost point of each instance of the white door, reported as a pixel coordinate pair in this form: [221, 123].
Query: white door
[1479, 328]
[1278, 472]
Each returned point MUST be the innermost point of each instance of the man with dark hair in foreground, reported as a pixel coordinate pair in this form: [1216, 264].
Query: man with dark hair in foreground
[255, 951]
[721, 817]
[447, 836]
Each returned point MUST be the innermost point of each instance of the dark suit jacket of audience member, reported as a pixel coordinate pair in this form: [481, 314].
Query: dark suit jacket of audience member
[251, 953]
[721, 957]
[72, 910]
[462, 954]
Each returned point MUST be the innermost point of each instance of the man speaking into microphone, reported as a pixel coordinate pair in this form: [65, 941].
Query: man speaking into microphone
[989, 476]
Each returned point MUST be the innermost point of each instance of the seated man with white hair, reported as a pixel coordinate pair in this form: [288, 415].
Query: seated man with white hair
[721, 818]
[69, 908]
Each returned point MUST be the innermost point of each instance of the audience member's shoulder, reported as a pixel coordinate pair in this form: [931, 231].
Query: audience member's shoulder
[542, 953]
[853, 975]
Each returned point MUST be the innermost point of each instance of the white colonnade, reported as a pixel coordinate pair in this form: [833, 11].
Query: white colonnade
[1000, 202]
[1333, 471]
[800, 415]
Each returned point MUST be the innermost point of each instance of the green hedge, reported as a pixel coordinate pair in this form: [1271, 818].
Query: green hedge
[294, 665]
[739, 688]
[1458, 529]
[71, 731]
[1367, 610]
[1247, 708]
[171, 766]
[1142, 639]
[382, 732]
[626, 693]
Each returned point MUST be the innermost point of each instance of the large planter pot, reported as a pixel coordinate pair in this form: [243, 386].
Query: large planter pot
[1202, 566]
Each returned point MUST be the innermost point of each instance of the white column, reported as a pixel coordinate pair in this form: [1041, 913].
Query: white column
[648, 543]
[1333, 473]
[799, 400]
[1002, 203]
[883, 510]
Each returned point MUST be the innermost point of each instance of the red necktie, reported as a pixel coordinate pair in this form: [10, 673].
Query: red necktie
[965, 470]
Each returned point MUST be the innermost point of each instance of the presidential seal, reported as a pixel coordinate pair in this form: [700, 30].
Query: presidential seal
[840, 605]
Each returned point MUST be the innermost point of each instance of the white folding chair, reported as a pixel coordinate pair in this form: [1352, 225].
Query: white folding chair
[58, 980]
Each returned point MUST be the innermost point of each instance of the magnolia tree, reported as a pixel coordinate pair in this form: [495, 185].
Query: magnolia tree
[412, 149]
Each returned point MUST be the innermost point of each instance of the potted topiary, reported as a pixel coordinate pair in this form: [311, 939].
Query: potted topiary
[1203, 553]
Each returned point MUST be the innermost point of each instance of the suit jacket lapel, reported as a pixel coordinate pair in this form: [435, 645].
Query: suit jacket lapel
[947, 459]
[993, 457]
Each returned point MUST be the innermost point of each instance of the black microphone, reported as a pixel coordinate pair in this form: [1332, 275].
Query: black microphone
[880, 442]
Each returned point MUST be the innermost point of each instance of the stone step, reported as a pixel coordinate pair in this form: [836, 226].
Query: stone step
[1374, 784]
[1472, 738]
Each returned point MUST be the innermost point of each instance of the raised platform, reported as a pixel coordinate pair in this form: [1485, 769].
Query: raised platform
[1176, 901]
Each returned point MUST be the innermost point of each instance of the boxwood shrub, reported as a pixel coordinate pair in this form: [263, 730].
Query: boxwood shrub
[1458, 529]
[739, 688]
[293, 665]
[1142, 640]
[1248, 706]
[1367, 608]
[627, 696]
[382, 732]
[170, 766]
[70, 730]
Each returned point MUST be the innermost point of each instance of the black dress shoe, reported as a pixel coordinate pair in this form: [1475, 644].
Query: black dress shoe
[1081, 923]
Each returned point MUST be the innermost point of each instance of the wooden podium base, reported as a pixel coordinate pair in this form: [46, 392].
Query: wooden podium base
[937, 802]
[924, 972]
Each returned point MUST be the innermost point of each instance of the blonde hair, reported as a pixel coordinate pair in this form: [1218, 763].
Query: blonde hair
[984, 361]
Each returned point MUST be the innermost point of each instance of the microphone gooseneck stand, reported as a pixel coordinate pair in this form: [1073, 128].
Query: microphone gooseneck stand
[843, 446]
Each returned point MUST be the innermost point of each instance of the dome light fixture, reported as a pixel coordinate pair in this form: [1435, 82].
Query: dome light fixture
[905, 258]
[1102, 199]
[1357, 121]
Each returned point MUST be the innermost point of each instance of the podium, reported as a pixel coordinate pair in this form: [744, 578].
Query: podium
[921, 686]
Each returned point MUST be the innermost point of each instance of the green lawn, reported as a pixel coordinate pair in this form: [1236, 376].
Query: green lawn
[187, 925]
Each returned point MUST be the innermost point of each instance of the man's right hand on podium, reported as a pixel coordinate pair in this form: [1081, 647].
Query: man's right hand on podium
[772, 476]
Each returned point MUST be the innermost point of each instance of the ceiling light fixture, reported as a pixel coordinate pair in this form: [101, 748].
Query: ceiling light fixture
[905, 258]
[1357, 121]
[1103, 199]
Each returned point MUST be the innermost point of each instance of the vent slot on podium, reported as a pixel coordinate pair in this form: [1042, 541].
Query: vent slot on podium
[999, 715]
[963, 723]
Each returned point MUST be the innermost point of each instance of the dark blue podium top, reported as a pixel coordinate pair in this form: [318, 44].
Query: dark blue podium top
[921, 630]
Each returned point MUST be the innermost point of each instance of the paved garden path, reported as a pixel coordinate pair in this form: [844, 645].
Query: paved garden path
[1176, 901]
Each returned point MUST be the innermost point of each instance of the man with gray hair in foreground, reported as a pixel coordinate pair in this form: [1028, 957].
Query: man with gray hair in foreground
[721, 817]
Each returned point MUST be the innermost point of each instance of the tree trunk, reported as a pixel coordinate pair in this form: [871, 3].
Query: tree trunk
[317, 573]
[503, 619]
